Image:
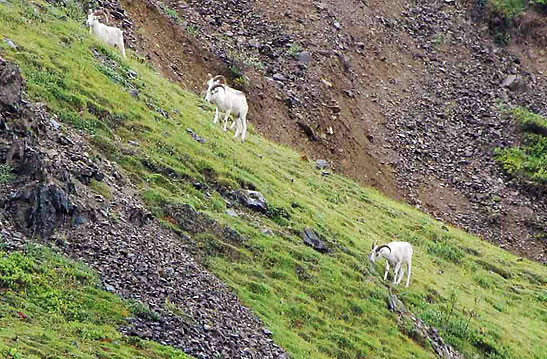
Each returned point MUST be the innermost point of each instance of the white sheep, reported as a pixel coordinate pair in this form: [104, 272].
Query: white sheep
[212, 81]
[230, 101]
[396, 254]
[111, 35]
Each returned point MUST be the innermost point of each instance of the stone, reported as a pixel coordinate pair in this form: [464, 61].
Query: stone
[250, 199]
[279, 77]
[312, 239]
[321, 164]
[12, 86]
[230, 212]
[304, 57]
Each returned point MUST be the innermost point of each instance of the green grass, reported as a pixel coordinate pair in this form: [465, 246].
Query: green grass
[528, 161]
[317, 305]
[51, 308]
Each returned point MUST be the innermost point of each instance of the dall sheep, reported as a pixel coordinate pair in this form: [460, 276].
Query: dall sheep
[396, 254]
[212, 81]
[230, 101]
[111, 35]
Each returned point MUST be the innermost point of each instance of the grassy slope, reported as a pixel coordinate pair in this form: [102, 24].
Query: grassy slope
[53, 308]
[318, 306]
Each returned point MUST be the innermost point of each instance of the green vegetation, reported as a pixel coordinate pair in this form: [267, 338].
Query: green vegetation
[528, 161]
[317, 305]
[53, 308]
[5, 173]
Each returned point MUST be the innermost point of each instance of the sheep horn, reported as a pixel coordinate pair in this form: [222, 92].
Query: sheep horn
[383, 246]
[217, 86]
[220, 77]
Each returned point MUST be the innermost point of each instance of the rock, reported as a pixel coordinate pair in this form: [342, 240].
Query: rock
[321, 164]
[250, 199]
[337, 25]
[307, 130]
[514, 83]
[304, 57]
[195, 136]
[42, 209]
[12, 86]
[312, 239]
[279, 77]
[267, 232]
[10, 43]
[231, 212]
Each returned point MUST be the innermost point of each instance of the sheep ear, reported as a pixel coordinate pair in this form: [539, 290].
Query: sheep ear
[209, 76]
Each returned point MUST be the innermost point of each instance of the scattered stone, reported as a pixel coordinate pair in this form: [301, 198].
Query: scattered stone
[195, 136]
[321, 164]
[312, 239]
[250, 199]
[304, 57]
[231, 212]
[279, 77]
[10, 43]
[12, 85]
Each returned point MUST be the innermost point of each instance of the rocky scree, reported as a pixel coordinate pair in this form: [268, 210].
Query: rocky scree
[449, 134]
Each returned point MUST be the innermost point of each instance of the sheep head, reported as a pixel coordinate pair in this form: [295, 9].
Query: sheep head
[376, 251]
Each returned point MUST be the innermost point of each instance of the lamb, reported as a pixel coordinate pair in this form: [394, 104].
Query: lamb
[212, 81]
[231, 101]
[111, 35]
[396, 254]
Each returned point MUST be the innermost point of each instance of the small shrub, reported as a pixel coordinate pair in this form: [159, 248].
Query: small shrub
[446, 252]
[6, 174]
[295, 49]
[101, 188]
[143, 311]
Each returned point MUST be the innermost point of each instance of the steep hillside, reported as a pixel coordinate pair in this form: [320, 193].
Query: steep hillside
[114, 131]
[403, 96]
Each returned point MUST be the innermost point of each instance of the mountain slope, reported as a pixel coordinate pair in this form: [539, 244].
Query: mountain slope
[485, 301]
[403, 96]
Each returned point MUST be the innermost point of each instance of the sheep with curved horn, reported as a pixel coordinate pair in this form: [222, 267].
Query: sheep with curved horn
[212, 81]
[396, 254]
[111, 35]
[230, 101]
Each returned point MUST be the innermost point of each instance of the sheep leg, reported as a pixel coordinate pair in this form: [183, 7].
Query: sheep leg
[216, 115]
[401, 274]
[122, 48]
[226, 119]
[238, 128]
[243, 120]
[408, 275]
[233, 124]
[396, 272]
[387, 270]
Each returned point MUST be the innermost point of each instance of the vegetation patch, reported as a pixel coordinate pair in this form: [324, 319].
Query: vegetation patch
[527, 162]
[53, 307]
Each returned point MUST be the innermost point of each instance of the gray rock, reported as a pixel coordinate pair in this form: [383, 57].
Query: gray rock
[312, 239]
[12, 85]
[321, 164]
[304, 57]
[10, 43]
[231, 212]
[250, 199]
[279, 77]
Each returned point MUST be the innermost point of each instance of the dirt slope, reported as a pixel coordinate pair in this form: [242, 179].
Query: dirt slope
[402, 96]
